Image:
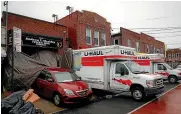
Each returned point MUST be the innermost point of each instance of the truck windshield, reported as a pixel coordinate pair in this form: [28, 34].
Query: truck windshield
[168, 66]
[66, 77]
[135, 68]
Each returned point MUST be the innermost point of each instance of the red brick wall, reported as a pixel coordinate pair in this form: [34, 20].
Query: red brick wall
[36, 26]
[127, 34]
[79, 21]
[142, 38]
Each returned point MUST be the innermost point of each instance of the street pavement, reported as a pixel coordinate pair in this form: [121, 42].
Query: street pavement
[121, 104]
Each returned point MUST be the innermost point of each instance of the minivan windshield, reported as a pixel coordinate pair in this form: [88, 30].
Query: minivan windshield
[135, 68]
[66, 77]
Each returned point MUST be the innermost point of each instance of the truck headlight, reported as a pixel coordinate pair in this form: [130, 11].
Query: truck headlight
[68, 92]
[150, 83]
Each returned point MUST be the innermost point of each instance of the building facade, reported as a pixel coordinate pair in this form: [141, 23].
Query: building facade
[142, 42]
[87, 29]
[36, 28]
[173, 57]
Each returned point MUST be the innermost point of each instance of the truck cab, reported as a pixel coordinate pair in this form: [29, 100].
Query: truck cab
[167, 73]
[155, 64]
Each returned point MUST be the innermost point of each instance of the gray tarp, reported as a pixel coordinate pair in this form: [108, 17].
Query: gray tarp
[27, 68]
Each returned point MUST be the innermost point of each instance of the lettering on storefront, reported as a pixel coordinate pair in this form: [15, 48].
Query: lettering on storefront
[39, 41]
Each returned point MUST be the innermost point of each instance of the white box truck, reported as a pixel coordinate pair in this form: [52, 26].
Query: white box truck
[155, 64]
[111, 68]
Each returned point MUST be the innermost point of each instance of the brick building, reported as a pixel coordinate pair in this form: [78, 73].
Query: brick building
[36, 27]
[87, 29]
[173, 57]
[142, 42]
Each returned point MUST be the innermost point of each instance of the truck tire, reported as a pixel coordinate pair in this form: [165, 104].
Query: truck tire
[172, 79]
[57, 99]
[138, 93]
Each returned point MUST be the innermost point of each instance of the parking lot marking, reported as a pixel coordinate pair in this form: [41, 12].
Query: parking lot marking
[152, 100]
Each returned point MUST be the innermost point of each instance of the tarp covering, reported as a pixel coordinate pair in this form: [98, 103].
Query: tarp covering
[27, 68]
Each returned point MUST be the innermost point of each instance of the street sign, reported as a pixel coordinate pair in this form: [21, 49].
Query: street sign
[17, 34]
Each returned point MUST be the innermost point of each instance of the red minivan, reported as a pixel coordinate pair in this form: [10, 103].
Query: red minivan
[62, 86]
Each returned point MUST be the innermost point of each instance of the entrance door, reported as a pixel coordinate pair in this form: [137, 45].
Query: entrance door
[119, 80]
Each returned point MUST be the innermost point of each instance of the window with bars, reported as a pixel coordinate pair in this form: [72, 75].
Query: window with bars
[103, 39]
[116, 42]
[137, 46]
[88, 36]
[96, 38]
[129, 43]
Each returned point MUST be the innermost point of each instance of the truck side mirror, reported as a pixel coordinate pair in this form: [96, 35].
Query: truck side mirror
[80, 78]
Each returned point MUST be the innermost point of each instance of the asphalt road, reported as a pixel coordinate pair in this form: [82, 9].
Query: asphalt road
[121, 104]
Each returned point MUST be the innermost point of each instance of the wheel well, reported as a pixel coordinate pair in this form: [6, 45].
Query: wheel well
[173, 75]
[55, 92]
[136, 85]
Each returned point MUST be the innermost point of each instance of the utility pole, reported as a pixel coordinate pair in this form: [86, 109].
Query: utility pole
[7, 39]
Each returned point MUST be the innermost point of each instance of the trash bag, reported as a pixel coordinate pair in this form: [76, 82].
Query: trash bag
[11, 101]
[26, 108]
[14, 104]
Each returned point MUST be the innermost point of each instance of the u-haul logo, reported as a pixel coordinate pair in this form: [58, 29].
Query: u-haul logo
[127, 52]
[92, 53]
[143, 57]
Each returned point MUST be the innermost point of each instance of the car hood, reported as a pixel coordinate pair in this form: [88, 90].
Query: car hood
[148, 76]
[74, 86]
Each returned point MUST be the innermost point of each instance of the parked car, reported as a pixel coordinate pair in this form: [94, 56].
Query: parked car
[179, 67]
[62, 86]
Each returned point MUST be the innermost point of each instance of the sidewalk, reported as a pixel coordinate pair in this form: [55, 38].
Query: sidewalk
[170, 103]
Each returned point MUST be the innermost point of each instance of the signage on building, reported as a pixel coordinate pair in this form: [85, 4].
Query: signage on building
[17, 34]
[41, 41]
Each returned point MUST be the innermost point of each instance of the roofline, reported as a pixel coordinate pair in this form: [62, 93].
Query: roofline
[129, 30]
[116, 34]
[32, 18]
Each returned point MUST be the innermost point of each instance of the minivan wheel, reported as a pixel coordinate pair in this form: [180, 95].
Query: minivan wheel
[137, 93]
[172, 79]
[57, 99]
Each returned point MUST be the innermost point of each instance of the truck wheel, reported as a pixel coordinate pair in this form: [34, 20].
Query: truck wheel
[172, 79]
[57, 99]
[138, 93]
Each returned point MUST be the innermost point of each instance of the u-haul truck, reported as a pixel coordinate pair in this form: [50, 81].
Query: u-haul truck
[111, 68]
[154, 63]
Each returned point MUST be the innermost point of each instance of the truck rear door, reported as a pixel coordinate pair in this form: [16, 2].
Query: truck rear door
[119, 77]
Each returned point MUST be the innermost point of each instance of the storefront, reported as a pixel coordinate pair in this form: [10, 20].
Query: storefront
[33, 43]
